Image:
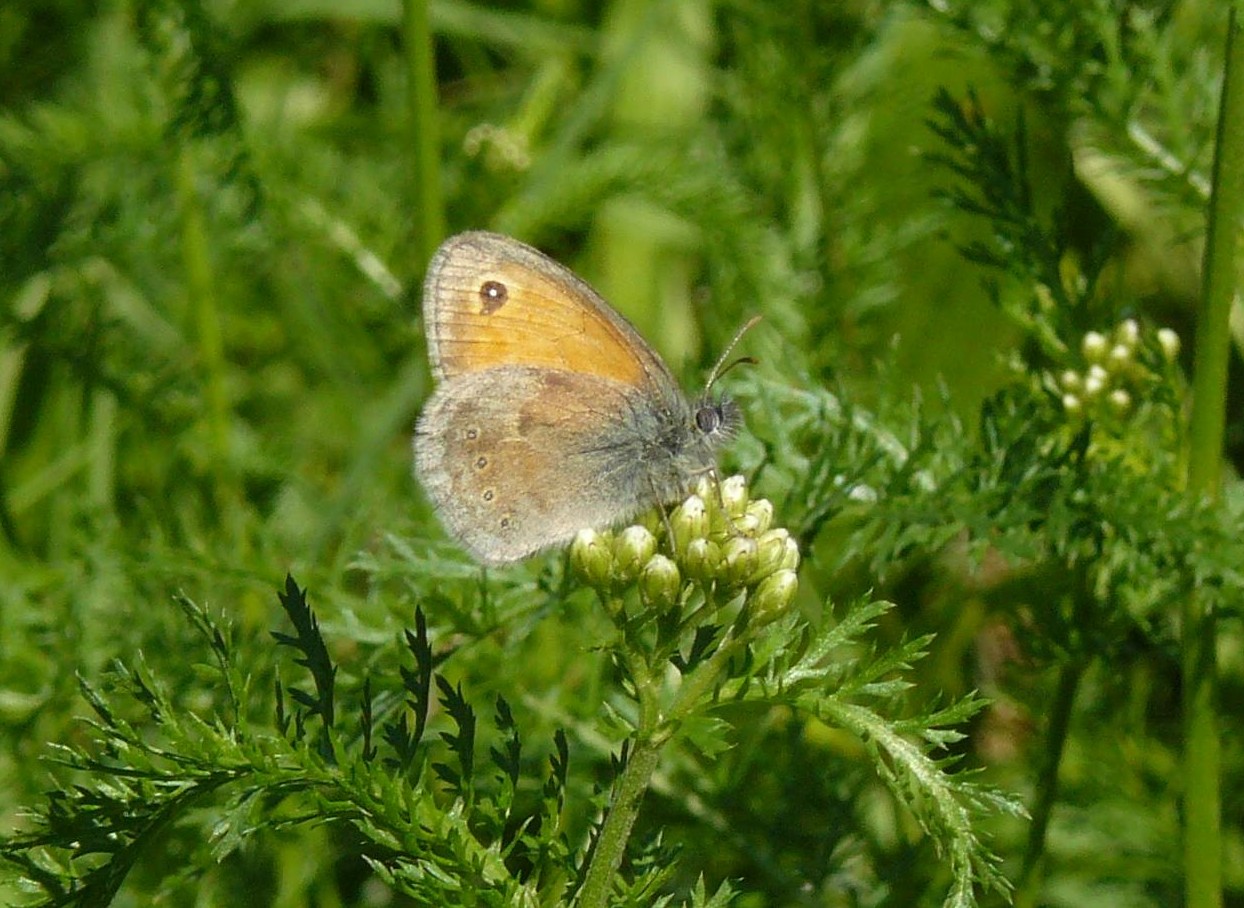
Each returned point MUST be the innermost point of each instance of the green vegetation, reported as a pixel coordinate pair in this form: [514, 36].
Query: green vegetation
[935, 649]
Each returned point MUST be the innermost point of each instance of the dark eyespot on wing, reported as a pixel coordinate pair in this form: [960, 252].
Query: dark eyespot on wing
[492, 296]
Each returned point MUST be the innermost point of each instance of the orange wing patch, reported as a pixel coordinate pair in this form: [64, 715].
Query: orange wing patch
[491, 301]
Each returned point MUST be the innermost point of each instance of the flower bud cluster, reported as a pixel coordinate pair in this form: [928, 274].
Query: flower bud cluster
[1117, 367]
[719, 536]
[502, 148]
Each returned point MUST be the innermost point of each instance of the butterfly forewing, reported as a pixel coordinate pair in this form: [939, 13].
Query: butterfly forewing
[491, 301]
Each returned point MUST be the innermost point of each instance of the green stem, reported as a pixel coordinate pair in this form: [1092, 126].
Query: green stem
[616, 831]
[1202, 838]
[641, 763]
[196, 261]
[695, 687]
[1028, 886]
[429, 226]
[654, 730]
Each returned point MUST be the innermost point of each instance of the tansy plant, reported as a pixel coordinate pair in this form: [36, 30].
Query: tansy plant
[705, 618]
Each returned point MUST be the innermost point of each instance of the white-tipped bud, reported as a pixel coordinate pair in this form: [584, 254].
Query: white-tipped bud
[591, 557]
[1168, 340]
[862, 493]
[746, 525]
[1095, 381]
[689, 521]
[1120, 401]
[761, 510]
[775, 550]
[631, 551]
[659, 582]
[1128, 333]
[734, 495]
[774, 595]
[741, 556]
[1094, 346]
[702, 560]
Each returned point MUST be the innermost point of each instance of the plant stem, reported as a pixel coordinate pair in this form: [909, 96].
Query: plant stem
[1202, 833]
[654, 730]
[616, 831]
[429, 214]
[196, 261]
[651, 733]
[1028, 886]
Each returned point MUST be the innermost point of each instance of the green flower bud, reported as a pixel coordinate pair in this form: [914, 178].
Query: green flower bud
[1168, 340]
[591, 557]
[1128, 333]
[1094, 346]
[705, 487]
[773, 596]
[862, 493]
[1095, 382]
[689, 521]
[701, 559]
[761, 511]
[1045, 299]
[659, 582]
[652, 520]
[790, 554]
[741, 556]
[1072, 404]
[769, 550]
[773, 549]
[1120, 401]
[631, 551]
[746, 525]
[1119, 357]
[734, 495]
[1071, 380]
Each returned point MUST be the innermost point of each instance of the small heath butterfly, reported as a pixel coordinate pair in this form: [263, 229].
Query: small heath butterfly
[551, 413]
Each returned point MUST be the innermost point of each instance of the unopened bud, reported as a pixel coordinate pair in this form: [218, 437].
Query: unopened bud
[1094, 346]
[701, 559]
[771, 551]
[689, 521]
[745, 525]
[631, 551]
[741, 556]
[761, 509]
[1168, 340]
[773, 596]
[734, 495]
[591, 557]
[1095, 381]
[1128, 333]
[863, 493]
[659, 582]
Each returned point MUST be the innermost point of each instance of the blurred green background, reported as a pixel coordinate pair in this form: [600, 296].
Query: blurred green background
[211, 358]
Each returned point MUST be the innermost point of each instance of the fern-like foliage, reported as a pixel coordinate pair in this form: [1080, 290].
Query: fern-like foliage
[428, 815]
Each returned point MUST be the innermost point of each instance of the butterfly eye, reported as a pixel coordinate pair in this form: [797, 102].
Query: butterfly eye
[708, 419]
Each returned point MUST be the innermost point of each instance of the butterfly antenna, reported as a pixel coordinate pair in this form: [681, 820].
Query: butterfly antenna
[720, 368]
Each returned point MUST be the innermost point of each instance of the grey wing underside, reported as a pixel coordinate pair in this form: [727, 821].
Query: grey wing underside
[517, 459]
